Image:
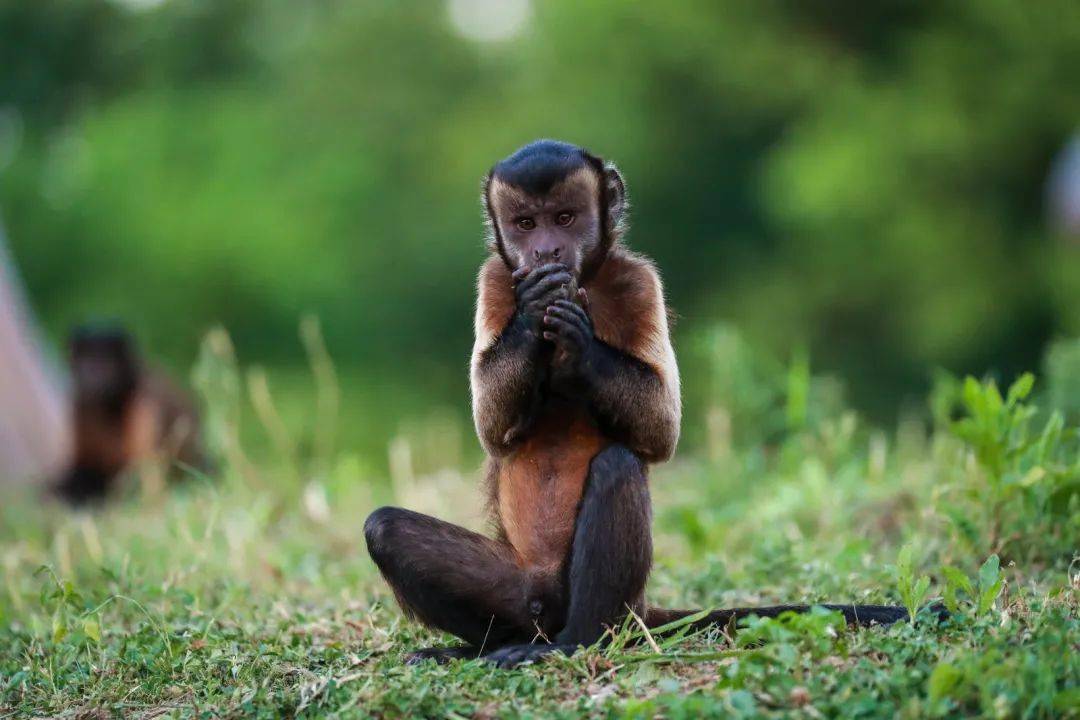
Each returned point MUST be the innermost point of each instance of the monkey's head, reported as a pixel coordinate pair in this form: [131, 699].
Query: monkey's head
[554, 202]
[104, 367]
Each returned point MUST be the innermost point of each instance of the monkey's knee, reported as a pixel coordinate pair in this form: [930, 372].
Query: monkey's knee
[617, 469]
[380, 530]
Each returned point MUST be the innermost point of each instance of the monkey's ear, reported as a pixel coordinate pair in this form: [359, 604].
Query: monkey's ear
[494, 239]
[615, 196]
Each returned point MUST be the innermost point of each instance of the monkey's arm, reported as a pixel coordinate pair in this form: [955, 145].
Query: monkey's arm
[615, 351]
[509, 363]
[505, 387]
[632, 400]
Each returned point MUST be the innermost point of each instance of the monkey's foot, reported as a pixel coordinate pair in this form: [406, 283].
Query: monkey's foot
[442, 655]
[514, 655]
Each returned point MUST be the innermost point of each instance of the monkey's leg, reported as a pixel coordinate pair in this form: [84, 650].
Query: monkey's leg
[452, 579]
[609, 559]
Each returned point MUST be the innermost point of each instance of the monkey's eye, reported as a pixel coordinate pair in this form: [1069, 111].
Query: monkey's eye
[526, 224]
[564, 218]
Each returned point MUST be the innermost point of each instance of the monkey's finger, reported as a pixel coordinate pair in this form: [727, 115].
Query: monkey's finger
[575, 310]
[570, 311]
[547, 299]
[520, 273]
[545, 285]
[548, 269]
[539, 306]
[566, 330]
[560, 311]
[550, 279]
[530, 279]
[584, 297]
[551, 267]
[539, 297]
[532, 276]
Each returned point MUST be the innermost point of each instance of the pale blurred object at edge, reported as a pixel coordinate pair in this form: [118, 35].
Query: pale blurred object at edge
[1063, 190]
[489, 20]
[35, 440]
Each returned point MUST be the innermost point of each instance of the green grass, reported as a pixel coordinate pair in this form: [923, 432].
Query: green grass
[251, 594]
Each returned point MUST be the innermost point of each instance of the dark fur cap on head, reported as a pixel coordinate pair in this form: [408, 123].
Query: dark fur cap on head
[103, 335]
[536, 168]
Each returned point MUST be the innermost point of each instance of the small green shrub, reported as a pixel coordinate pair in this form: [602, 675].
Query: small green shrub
[1021, 494]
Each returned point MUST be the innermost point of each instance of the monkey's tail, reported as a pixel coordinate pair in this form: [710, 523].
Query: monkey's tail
[657, 618]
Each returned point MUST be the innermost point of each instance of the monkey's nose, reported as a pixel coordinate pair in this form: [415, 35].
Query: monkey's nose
[547, 255]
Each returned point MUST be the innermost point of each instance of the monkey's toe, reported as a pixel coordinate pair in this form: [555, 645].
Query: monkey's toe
[513, 656]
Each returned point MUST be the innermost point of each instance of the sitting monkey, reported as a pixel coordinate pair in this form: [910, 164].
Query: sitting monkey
[575, 392]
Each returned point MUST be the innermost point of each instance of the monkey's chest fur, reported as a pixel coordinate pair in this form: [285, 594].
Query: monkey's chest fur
[539, 486]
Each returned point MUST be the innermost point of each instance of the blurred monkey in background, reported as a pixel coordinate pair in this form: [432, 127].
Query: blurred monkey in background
[115, 414]
[124, 415]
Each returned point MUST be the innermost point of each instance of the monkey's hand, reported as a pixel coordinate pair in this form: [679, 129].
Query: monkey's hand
[535, 289]
[569, 326]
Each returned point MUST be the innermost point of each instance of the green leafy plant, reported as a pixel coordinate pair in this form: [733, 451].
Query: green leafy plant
[913, 592]
[990, 584]
[1025, 481]
[957, 586]
[960, 593]
[68, 610]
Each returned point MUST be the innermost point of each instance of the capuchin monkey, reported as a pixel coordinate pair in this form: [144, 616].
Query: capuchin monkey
[123, 412]
[575, 392]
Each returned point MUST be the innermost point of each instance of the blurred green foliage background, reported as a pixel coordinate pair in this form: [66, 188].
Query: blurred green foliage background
[861, 184]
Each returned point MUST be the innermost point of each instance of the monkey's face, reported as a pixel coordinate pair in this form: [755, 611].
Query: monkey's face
[561, 225]
[104, 369]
